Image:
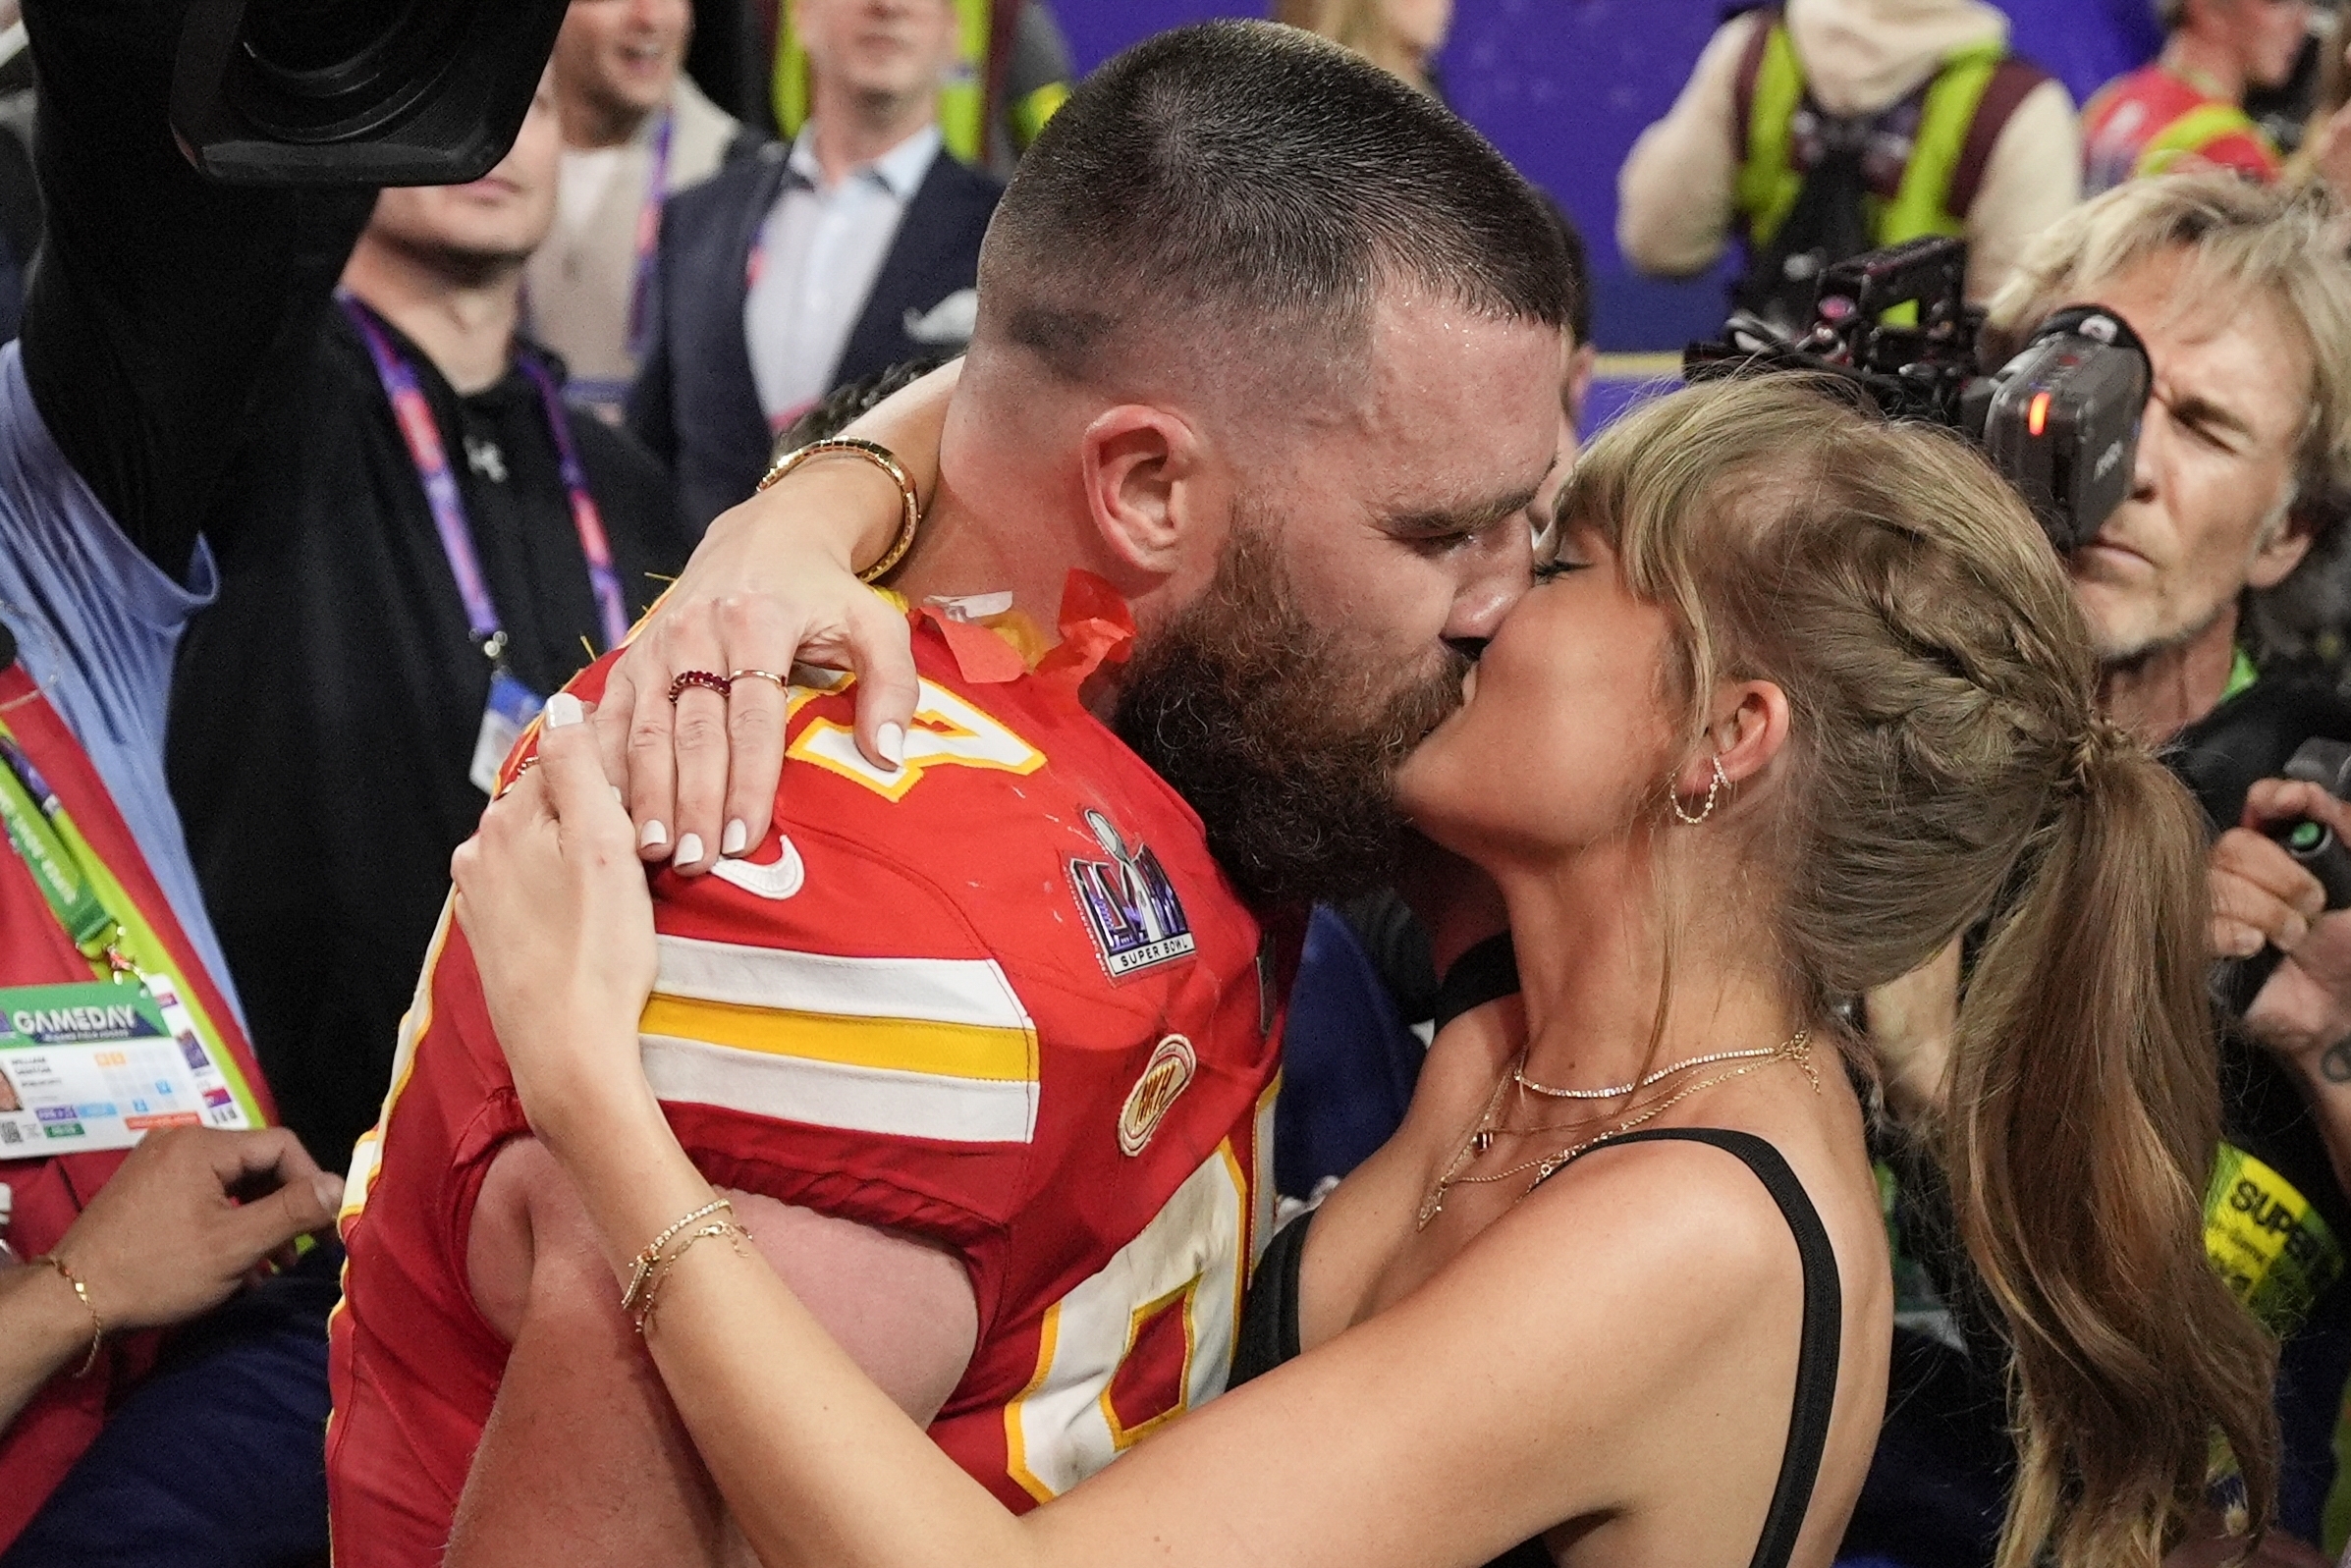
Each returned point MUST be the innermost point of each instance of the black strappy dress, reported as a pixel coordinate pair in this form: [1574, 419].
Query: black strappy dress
[1269, 1335]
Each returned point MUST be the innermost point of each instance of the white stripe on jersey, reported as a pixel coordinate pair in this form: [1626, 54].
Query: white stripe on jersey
[853, 1098]
[947, 990]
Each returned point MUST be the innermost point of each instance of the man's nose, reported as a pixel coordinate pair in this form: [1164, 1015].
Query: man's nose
[2147, 454]
[1495, 571]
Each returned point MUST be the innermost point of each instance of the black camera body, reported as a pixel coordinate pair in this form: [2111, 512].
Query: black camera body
[2060, 420]
[2312, 844]
[357, 92]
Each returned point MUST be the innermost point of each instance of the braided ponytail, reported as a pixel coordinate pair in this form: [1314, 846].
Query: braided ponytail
[1945, 763]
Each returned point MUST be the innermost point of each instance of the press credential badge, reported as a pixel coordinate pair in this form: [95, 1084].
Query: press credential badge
[97, 1065]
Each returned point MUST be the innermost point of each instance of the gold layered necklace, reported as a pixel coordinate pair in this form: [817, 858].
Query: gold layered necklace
[1485, 1129]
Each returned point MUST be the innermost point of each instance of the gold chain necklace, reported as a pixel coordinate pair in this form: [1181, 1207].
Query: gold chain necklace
[1797, 1048]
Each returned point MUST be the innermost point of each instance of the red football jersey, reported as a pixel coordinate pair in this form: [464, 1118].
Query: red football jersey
[1002, 998]
[2151, 122]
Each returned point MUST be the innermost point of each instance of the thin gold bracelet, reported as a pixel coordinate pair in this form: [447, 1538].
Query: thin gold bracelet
[643, 1315]
[97, 1325]
[880, 456]
[641, 1277]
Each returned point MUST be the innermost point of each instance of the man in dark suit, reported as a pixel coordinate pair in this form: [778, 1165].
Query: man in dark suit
[816, 265]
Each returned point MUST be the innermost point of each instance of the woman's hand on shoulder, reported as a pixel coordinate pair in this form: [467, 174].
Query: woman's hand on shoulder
[556, 909]
[774, 583]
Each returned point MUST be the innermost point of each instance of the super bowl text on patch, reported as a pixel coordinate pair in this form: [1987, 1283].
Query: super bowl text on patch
[1130, 905]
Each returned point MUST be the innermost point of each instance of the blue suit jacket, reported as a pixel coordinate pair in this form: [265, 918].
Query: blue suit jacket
[695, 402]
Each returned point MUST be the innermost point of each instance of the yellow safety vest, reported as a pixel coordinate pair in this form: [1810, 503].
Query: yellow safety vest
[1769, 182]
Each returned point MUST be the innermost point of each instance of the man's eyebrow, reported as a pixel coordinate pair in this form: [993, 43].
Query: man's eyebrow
[1442, 522]
[2194, 409]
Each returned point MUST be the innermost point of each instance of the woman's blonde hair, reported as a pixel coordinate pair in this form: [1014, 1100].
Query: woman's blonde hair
[1946, 764]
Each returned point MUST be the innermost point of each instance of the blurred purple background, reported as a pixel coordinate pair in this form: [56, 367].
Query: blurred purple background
[1562, 86]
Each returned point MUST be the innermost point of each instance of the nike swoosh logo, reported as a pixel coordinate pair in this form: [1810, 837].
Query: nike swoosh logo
[777, 880]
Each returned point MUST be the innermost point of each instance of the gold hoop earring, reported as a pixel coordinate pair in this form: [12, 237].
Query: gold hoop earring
[1714, 792]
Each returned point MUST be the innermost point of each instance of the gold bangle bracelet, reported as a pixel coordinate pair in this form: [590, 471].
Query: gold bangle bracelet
[97, 1325]
[880, 456]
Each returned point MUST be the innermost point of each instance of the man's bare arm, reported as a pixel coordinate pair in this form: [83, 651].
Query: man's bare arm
[584, 1462]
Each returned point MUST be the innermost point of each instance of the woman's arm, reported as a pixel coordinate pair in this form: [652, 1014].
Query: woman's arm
[774, 583]
[1556, 1368]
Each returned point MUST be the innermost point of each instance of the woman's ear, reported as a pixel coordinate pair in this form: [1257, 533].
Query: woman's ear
[1749, 727]
[1136, 460]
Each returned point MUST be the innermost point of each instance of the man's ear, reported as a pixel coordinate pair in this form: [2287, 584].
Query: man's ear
[2283, 545]
[1749, 727]
[1575, 392]
[1136, 462]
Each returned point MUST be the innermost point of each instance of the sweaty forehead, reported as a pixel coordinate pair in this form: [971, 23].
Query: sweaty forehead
[1451, 403]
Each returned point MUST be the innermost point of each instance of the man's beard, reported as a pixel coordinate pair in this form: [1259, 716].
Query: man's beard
[1284, 744]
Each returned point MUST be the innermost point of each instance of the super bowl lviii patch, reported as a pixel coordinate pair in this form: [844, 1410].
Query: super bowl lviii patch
[1130, 905]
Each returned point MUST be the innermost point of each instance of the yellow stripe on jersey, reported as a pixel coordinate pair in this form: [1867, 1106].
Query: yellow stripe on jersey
[901, 1045]
[921, 1047]
[853, 1098]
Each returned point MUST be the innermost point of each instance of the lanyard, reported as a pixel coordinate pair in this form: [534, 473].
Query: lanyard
[35, 824]
[85, 896]
[649, 237]
[417, 426]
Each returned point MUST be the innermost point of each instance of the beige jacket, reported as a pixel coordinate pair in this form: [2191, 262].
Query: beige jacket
[579, 283]
[1674, 193]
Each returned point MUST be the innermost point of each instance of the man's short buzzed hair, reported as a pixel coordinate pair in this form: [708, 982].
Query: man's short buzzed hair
[1246, 178]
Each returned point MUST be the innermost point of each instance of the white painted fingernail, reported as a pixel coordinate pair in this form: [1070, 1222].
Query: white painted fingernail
[563, 709]
[652, 835]
[690, 850]
[616, 794]
[731, 841]
[890, 741]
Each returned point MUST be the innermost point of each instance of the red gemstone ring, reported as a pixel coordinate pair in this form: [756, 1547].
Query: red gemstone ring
[706, 679]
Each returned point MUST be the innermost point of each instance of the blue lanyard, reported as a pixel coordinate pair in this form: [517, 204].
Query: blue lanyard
[422, 432]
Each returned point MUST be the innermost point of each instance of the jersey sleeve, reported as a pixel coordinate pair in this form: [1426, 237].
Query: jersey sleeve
[828, 1030]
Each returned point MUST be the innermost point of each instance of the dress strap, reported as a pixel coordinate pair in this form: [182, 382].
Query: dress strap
[1817, 1352]
[1269, 1327]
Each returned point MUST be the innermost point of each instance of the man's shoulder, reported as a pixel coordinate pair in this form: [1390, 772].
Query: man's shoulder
[1006, 779]
[2149, 88]
[2252, 735]
[954, 187]
[720, 198]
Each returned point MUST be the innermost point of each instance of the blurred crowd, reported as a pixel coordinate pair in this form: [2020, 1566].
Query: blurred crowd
[311, 499]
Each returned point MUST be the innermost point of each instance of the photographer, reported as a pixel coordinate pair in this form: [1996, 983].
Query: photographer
[153, 319]
[2243, 304]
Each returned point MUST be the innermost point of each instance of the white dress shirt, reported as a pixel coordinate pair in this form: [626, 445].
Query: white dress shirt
[815, 262]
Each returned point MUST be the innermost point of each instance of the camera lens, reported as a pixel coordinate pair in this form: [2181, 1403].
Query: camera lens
[322, 71]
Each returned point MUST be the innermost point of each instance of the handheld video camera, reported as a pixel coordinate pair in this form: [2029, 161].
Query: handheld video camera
[357, 92]
[2060, 420]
